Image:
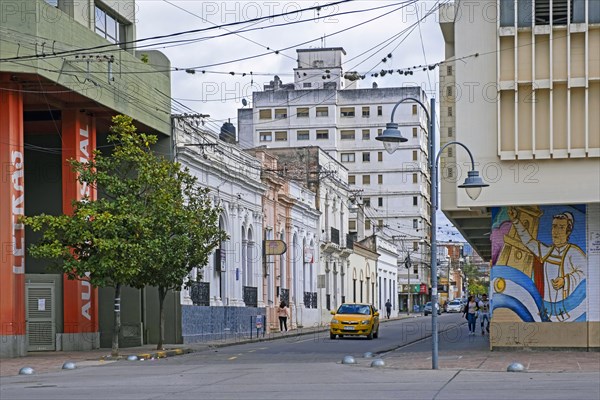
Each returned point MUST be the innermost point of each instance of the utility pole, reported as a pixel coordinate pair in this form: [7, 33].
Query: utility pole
[407, 264]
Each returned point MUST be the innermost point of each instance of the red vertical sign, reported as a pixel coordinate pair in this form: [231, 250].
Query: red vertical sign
[12, 206]
[78, 142]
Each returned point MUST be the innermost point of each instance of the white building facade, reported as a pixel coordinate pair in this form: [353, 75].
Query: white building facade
[233, 177]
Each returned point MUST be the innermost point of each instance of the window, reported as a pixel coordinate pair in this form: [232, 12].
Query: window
[379, 132]
[351, 180]
[380, 202]
[306, 85]
[366, 112]
[352, 225]
[449, 91]
[449, 70]
[380, 223]
[415, 201]
[450, 172]
[414, 155]
[414, 109]
[380, 156]
[415, 178]
[302, 112]
[264, 114]
[450, 111]
[107, 25]
[415, 131]
[450, 152]
[366, 157]
[450, 131]
[415, 223]
[265, 136]
[280, 136]
[415, 246]
[52, 2]
[347, 112]
[367, 224]
[322, 134]
[302, 135]
[366, 134]
[367, 201]
[379, 111]
[347, 135]
[380, 179]
[280, 113]
[366, 179]
[322, 111]
[347, 157]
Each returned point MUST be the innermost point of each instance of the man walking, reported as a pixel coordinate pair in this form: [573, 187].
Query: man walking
[484, 313]
[388, 308]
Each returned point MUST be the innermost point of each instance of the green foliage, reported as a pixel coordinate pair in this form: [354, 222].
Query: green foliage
[150, 225]
[145, 58]
[477, 282]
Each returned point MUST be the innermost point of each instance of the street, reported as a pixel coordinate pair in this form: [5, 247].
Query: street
[309, 367]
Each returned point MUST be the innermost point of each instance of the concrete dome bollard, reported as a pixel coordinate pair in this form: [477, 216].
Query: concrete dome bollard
[377, 363]
[515, 367]
[368, 354]
[348, 360]
[132, 358]
[69, 365]
[26, 371]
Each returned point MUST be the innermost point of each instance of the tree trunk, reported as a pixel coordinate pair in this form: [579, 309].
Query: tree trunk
[117, 321]
[162, 293]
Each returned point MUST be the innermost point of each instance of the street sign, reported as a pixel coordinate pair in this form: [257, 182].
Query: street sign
[274, 247]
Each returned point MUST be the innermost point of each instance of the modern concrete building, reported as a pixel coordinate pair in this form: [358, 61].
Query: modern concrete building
[66, 67]
[325, 107]
[524, 98]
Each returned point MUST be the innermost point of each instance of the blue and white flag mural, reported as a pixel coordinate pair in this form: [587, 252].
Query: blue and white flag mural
[539, 263]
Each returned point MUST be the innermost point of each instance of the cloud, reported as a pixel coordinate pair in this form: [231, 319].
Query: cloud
[220, 94]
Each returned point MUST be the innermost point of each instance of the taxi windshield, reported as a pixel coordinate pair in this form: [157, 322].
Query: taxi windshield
[354, 309]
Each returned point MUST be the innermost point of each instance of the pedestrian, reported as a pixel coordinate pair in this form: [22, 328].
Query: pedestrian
[282, 312]
[471, 314]
[388, 308]
[484, 313]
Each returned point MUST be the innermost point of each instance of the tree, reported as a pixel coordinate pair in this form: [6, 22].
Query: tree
[115, 240]
[477, 283]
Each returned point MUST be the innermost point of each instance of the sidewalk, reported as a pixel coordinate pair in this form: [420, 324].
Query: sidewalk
[475, 358]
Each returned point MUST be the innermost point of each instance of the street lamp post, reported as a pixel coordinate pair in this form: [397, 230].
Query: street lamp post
[391, 138]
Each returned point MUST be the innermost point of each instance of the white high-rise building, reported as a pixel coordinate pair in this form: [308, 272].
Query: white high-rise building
[324, 107]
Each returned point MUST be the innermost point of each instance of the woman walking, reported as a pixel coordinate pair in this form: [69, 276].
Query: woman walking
[471, 314]
[282, 312]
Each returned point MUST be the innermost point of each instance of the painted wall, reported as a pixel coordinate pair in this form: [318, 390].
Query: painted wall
[544, 278]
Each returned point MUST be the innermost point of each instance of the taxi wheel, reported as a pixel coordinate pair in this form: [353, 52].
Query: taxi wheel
[370, 335]
[376, 334]
[331, 336]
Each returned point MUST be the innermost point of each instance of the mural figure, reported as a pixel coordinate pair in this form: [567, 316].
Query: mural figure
[539, 269]
[563, 262]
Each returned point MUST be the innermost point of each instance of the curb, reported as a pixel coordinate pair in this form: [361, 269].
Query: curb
[163, 353]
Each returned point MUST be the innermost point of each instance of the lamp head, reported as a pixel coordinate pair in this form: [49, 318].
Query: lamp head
[473, 184]
[391, 137]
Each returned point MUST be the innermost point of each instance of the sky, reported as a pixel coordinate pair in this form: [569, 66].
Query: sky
[370, 31]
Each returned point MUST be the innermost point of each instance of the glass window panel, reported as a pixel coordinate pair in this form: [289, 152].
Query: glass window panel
[507, 13]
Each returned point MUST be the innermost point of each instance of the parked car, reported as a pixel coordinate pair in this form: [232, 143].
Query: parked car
[455, 306]
[427, 309]
[354, 320]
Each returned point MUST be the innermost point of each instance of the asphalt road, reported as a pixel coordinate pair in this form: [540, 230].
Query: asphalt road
[304, 367]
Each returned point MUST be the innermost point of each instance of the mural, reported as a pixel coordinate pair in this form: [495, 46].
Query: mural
[539, 263]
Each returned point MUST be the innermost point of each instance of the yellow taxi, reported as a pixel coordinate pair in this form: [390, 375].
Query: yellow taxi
[354, 320]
